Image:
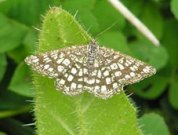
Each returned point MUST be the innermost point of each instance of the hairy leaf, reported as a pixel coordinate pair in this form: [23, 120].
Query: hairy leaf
[84, 114]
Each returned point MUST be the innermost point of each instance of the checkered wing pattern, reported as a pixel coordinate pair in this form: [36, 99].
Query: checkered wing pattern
[65, 65]
[113, 70]
[107, 75]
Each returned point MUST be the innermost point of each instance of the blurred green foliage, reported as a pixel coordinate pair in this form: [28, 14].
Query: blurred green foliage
[18, 38]
[153, 124]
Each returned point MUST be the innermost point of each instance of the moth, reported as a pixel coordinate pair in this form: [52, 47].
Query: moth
[98, 70]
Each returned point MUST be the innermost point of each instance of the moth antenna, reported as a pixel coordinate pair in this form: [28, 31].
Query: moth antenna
[102, 32]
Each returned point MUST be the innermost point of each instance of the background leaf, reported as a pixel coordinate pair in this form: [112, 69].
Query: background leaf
[151, 88]
[174, 8]
[154, 23]
[153, 124]
[113, 17]
[21, 82]
[2, 133]
[145, 51]
[3, 64]
[174, 92]
[11, 34]
[108, 39]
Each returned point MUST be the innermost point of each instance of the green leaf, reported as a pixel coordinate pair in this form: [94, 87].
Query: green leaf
[144, 50]
[170, 41]
[2, 133]
[115, 40]
[13, 112]
[107, 16]
[84, 114]
[11, 34]
[29, 12]
[151, 88]
[30, 41]
[153, 19]
[4, 6]
[153, 124]
[12, 104]
[78, 5]
[18, 54]
[135, 7]
[174, 8]
[20, 82]
[83, 12]
[17, 126]
[173, 92]
[3, 64]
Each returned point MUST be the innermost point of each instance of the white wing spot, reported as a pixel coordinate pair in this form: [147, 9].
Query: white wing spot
[46, 66]
[146, 69]
[120, 66]
[85, 71]
[127, 76]
[80, 72]
[79, 86]
[114, 66]
[80, 79]
[116, 56]
[108, 80]
[61, 55]
[74, 71]
[99, 74]
[35, 60]
[46, 59]
[129, 62]
[97, 81]
[103, 89]
[94, 73]
[62, 81]
[115, 85]
[126, 64]
[66, 62]
[59, 61]
[121, 60]
[135, 67]
[66, 75]
[54, 55]
[106, 73]
[132, 74]
[77, 66]
[85, 79]
[73, 86]
[70, 78]
[60, 68]
[108, 60]
[118, 73]
[132, 68]
[96, 64]
[50, 69]
[91, 81]
[97, 88]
